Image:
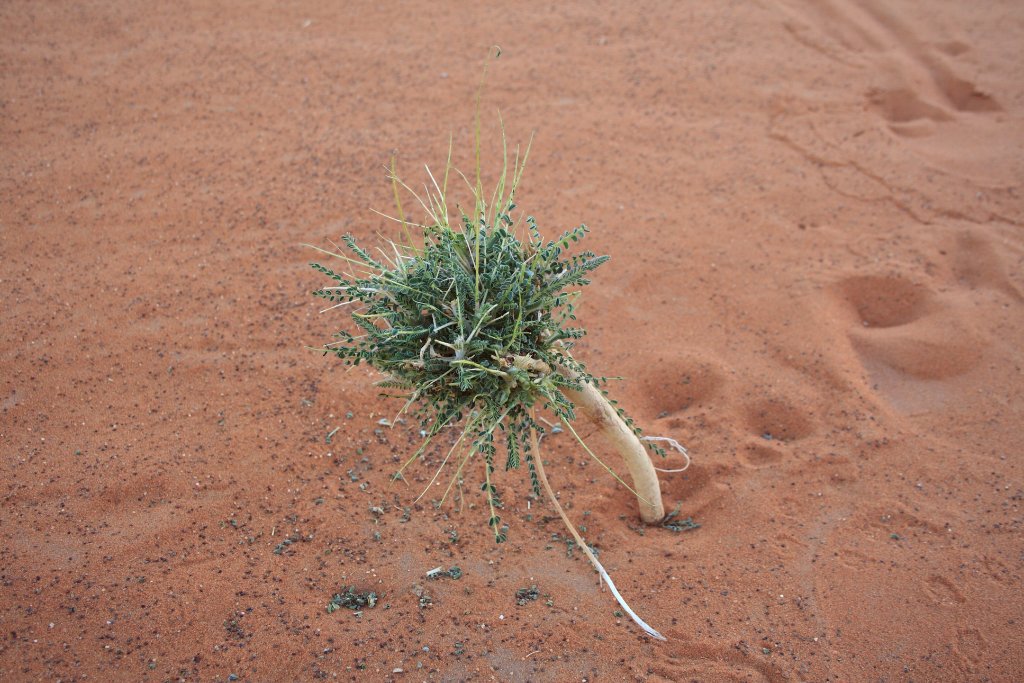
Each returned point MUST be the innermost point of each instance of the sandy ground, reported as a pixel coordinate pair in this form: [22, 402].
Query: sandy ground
[814, 214]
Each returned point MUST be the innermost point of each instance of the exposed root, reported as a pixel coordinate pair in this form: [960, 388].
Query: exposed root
[594, 406]
[539, 463]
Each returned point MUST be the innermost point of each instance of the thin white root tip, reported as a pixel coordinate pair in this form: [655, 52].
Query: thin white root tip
[629, 610]
[674, 444]
[539, 463]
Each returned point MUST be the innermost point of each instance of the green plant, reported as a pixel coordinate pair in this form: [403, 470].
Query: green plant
[472, 323]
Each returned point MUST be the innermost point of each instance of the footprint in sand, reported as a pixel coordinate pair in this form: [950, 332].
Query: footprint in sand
[978, 262]
[674, 385]
[883, 301]
[933, 348]
[911, 113]
[909, 339]
[943, 591]
[775, 419]
[903, 105]
[924, 84]
[971, 644]
[918, 92]
[757, 453]
[773, 424]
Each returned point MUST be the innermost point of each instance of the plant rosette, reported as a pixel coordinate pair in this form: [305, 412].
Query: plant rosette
[472, 323]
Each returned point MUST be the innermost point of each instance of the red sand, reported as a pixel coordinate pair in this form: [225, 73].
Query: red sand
[814, 214]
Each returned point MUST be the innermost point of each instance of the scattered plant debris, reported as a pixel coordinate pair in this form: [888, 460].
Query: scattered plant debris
[672, 524]
[424, 597]
[438, 572]
[525, 595]
[352, 599]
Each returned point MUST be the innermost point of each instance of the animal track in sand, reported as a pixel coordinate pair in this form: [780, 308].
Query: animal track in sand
[937, 347]
[905, 327]
[902, 105]
[688, 661]
[971, 644]
[919, 87]
[943, 591]
[891, 518]
[885, 301]
[759, 453]
[905, 108]
[979, 263]
[699, 487]
[674, 385]
[776, 419]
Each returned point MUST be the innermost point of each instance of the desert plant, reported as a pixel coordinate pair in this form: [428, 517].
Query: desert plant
[472, 323]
